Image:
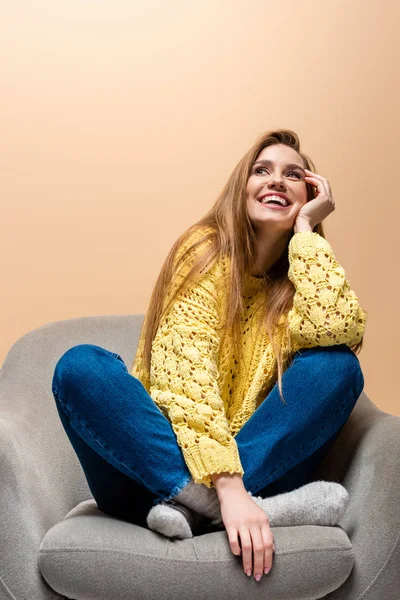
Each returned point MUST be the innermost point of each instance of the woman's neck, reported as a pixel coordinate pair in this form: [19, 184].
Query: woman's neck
[270, 247]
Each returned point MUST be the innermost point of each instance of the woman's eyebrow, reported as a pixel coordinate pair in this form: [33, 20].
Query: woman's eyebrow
[270, 162]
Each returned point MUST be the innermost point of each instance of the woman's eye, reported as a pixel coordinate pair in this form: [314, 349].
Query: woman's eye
[291, 172]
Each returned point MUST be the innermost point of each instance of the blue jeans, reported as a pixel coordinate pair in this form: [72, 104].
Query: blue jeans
[129, 451]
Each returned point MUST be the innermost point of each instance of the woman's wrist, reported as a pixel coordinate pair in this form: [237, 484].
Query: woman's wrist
[227, 482]
[302, 226]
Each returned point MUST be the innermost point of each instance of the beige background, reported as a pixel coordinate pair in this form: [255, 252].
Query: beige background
[122, 120]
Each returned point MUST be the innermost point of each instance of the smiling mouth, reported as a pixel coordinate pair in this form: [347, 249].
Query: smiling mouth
[274, 199]
[274, 205]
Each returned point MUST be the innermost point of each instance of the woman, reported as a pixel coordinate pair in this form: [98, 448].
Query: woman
[250, 303]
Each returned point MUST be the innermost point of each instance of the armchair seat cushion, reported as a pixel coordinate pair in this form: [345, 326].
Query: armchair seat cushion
[92, 555]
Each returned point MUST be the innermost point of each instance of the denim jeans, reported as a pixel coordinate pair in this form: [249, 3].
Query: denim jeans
[129, 451]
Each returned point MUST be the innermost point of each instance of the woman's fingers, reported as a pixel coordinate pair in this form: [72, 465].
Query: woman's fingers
[233, 540]
[269, 546]
[257, 550]
[247, 550]
[261, 550]
[249, 533]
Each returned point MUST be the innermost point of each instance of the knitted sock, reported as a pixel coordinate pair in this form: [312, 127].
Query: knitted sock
[201, 499]
[189, 510]
[316, 503]
[175, 520]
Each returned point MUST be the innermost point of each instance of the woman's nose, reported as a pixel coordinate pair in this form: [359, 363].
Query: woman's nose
[276, 181]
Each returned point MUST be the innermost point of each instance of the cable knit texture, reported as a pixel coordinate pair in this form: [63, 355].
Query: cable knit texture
[195, 379]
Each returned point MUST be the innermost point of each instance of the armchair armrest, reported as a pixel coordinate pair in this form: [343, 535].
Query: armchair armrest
[366, 460]
[40, 474]
[35, 493]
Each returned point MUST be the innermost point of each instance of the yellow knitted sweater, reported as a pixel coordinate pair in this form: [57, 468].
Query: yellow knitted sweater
[195, 379]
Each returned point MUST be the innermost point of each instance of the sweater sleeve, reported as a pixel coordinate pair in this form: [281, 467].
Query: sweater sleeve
[184, 381]
[326, 311]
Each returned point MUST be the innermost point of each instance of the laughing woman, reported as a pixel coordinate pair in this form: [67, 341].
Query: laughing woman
[245, 371]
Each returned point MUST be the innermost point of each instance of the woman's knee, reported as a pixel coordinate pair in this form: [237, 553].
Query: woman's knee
[74, 364]
[339, 360]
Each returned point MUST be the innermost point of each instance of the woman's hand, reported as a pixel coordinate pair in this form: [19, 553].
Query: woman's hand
[316, 210]
[241, 515]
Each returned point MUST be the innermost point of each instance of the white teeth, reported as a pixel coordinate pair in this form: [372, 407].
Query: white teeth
[283, 201]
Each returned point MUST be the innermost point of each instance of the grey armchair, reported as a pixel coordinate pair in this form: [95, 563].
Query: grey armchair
[56, 543]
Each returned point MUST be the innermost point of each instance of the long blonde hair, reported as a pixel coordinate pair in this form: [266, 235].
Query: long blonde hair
[231, 232]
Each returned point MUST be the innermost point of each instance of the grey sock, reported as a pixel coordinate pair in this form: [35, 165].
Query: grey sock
[316, 503]
[174, 520]
[201, 499]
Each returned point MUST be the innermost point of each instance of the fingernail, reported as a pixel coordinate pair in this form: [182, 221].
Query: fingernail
[248, 573]
[267, 570]
[257, 577]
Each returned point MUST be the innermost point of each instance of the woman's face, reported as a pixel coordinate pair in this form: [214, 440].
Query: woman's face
[284, 174]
